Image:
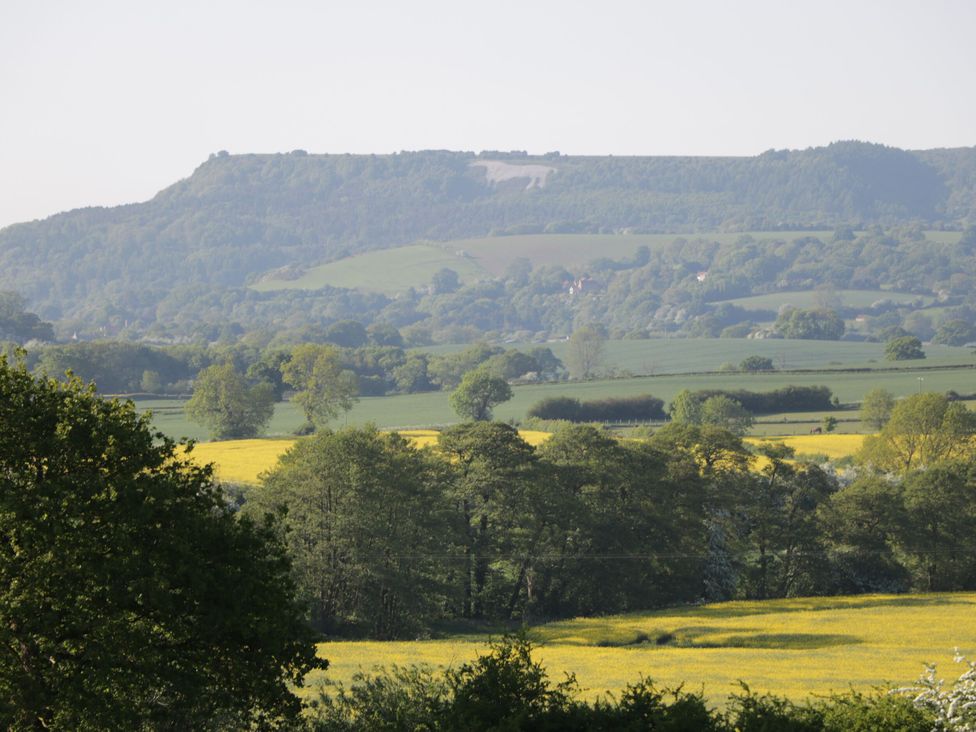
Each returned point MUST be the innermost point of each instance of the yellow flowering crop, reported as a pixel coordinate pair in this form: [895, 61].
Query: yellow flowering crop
[795, 647]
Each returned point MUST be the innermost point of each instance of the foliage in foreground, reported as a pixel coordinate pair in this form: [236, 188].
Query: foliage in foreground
[506, 689]
[131, 596]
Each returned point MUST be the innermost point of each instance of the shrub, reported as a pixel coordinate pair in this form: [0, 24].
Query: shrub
[624, 409]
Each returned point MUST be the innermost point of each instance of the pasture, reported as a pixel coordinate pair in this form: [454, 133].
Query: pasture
[655, 356]
[796, 647]
[432, 409]
[388, 271]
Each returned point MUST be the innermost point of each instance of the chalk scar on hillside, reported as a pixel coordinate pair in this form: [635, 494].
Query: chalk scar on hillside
[497, 171]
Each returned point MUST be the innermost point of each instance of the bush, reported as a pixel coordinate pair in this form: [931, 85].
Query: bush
[506, 689]
[641, 408]
[756, 363]
[786, 399]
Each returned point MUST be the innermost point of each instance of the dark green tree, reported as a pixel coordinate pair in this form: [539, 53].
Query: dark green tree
[823, 325]
[955, 333]
[131, 597]
[859, 521]
[935, 533]
[366, 525]
[227, 405]
[16, 324]
[495, 470]
[905, 348]
[478, 393]
[756, 363]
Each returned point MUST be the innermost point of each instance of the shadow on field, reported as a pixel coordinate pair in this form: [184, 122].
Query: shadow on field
[713, 637]
[813, 604]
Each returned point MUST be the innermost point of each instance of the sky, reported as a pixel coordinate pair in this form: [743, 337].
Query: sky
[108, 102]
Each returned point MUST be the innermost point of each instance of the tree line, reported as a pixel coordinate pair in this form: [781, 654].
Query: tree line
[388, 540]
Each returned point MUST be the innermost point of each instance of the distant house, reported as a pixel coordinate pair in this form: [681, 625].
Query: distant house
[701, 276]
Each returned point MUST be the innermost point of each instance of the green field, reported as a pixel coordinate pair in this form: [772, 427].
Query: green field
[797, 647]
[681, 355]
[432, 408]
[389, 271]
[808, 299]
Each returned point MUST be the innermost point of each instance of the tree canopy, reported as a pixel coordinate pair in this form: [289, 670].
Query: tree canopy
[131, 596]
[224, 402]
[478, 393]
[923, 429]
[324, 389]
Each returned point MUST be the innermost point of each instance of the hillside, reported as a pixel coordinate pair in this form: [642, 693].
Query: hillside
[239, 217]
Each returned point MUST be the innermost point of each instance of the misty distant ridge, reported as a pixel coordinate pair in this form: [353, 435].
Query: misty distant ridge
[239, 216]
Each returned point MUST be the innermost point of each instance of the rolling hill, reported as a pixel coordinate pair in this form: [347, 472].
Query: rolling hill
[238, 217]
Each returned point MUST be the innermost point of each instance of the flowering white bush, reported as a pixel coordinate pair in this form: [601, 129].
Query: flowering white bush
[954, 707]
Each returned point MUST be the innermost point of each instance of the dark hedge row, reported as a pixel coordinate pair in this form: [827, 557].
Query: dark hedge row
[787, 399]
[641, 408]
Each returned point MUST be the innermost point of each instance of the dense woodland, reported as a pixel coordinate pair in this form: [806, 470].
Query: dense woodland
[166, 267]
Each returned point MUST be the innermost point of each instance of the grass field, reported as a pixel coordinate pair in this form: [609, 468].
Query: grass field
[796, 647]
[808, 299]
[433, 409]
[389, 271]
[681, 355]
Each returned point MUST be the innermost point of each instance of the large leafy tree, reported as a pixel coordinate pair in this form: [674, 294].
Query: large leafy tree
[585, 351]
[923, 429]
[230, 407]
[492, 485]
[131, 597]
[905, 348]
[876, 408]
[323, 388]
[823, 325]
[478, 393]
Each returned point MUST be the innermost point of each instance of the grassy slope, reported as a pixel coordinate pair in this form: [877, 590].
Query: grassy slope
[794, 647]
[389, 271]
[394, 270]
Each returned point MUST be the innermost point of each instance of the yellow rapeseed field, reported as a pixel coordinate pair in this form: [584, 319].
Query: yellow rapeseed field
[242, 461]
[833, 446]
[796, 647]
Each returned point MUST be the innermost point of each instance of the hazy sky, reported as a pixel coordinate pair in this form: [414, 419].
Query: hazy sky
[108, 102]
